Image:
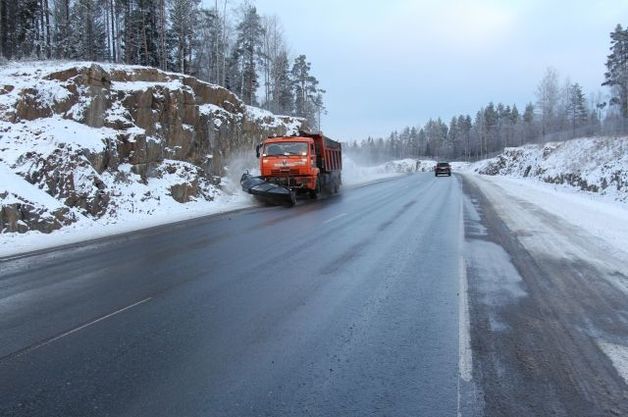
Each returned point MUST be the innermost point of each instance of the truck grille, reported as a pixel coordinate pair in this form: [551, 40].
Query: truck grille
[285, 172]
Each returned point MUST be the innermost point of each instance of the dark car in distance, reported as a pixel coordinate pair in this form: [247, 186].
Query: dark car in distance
[442, 168]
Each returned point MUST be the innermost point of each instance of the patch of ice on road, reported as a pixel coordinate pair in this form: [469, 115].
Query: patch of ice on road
[473, 221]
[618, 354]
[498, 280]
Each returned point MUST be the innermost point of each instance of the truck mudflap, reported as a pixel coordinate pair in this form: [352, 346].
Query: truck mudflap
[267, 191]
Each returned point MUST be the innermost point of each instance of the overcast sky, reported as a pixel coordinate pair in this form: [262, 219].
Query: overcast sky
[392, 63]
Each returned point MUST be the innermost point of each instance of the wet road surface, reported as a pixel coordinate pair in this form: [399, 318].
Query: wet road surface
[346, 306]
[352, 305]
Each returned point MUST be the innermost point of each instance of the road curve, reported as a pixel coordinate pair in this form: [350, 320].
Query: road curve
[343, 306]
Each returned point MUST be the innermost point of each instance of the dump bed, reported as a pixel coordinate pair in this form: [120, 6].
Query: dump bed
[328, 151]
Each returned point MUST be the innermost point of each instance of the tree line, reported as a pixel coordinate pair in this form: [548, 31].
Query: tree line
[561, 112]
[231, 45]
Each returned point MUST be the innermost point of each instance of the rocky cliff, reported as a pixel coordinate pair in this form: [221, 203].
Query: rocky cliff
[107, 140]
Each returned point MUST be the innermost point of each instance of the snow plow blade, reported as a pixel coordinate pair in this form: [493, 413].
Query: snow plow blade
[267, 191]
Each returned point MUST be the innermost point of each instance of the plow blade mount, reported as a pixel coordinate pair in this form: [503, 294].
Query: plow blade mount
[267, 191]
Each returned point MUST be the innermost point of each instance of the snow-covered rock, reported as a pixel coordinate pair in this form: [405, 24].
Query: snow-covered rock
[597, 165]
[104, 142]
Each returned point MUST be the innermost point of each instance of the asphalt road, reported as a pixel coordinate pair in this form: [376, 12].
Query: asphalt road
[346, 306]
[352, 305]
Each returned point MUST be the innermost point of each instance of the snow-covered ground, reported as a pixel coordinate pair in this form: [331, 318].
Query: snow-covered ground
[602, 219]
[595, 165]
[87, 229]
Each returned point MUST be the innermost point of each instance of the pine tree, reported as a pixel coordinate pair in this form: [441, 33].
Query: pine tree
[616, 76]
[464, 128]
[308, 100]
[206, 64]
[529, 131]
[88, 34]
[282, 100]
[249, 52]
[21, 34]
[515, 121]
[491, 119]
[233, 73]
[183, 22]
[576, 108]
[61, 31]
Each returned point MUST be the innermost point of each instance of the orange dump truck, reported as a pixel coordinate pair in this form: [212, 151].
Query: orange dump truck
[289, 165]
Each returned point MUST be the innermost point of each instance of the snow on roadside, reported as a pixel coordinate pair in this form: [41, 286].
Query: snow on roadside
[601, 218]
[594, 165]
[87, 229]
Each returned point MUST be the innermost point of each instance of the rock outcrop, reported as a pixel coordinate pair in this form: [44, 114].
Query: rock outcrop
[88, 134]
[597, 165]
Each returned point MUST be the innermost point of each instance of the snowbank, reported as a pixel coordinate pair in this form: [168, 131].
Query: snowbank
[86, 229]
[594, 165]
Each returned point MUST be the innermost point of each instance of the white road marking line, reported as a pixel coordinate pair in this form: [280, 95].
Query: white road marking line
[69, 332]
[464, 326]
[465, 365]
[335, 218]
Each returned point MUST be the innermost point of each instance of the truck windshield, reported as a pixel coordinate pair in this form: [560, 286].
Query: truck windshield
[286, 148]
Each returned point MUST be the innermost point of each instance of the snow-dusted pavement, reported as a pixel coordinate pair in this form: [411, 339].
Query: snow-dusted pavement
[548, 285]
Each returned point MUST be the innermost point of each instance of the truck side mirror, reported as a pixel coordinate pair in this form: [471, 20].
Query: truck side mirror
[257, 150]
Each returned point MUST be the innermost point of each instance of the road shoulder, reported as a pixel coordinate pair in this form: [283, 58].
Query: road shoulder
[543, 295]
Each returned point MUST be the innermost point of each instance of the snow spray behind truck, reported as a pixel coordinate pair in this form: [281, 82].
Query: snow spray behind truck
[306, 163]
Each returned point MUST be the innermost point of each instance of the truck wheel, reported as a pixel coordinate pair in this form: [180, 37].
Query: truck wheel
[293, 199]
[314, 193]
